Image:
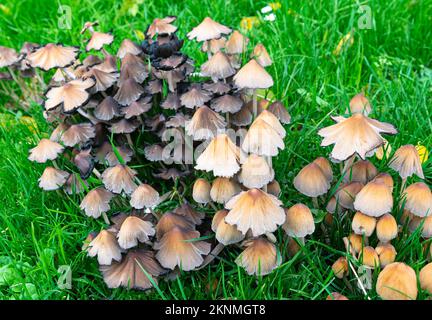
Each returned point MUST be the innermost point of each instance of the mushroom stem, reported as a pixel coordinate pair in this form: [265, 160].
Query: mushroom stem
[105, 217]
[129, 140]
[254, 103]
[347, 283]
[227, 117]
[403, 185]
[209, 55]
[213, 205]
[88, 116]
[97, 173]
[301, 240]
[271, 237]
[315, 202]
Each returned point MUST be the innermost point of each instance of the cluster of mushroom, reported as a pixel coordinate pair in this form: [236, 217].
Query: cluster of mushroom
[365, 195]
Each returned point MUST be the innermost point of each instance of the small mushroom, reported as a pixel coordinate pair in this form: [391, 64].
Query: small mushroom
[340, 267]
[360, 104]
[425, 277]
[105, 247]
[201, 191]
[299, 222]
[386, 228]
[225, 233]
[144, 196]
[386, 253]
[374, 199]
[255, 172]
[45, 150]
[363, 224]
[134, 230]
[96, 202]
[223, 189]
[205, 124]
[119, 178]
[397, 281]
[418, 199]
[261, 55]
[52, 179]
[262, 139]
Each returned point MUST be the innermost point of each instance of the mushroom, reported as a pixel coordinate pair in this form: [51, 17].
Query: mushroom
[105, 247]
[128, 92]
[214, 45]
[260, 257]
[425, 277]
[357, 134]
[103, 80]
[144, 196]
[255, 172]
[45, 150]
[186, 211]
[279, 110]
[84, 162]
[170, 220]
[138, 270]
[52, 56]
[205, 124]
[386, 228]
[360, 104]
[274, 188]
[8, 57]
[137, 108]
[261, 55]
[194, 97]
[299, 222]
[325, 166]
[397, 281]
[340, 267]
[273, 121]
[236, 43]
[124, 126]
[312, 182]
[133, 230]
[128, 46]
[385, 178]
[361, 171]
[179, 247]
[119, 178]
[262, 139]
[223, 189]
[374, 199]
[387, 254]
[52, 179]
[363, 224]
[227, 104]
[96, 202]
[107, 109]
[201, 191]
[406, 162]
[369, 257]
[122, 156]
[217, 67]
[217, 87]
[161, 26]
[225, 233]
[78, 134]
[336, 296]
[255, 210]
[98, 40]
[347, 193]
[172, 102]
[418, 199]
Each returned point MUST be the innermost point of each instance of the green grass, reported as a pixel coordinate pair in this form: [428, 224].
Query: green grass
[39, 232]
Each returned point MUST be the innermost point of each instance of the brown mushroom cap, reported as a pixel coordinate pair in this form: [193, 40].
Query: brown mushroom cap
[124, 126]
[360, 104]
[52, 179]
[78, 134]
[385, 178]
[96, 202]
[129, 272]
[262, 139]
[223, 189]
[105, 247]
[369, 257]
[128, 92]
[107, 109]
[274, 188]
[255, 210]
[273, 121]
[98, 40]
[162, 26]
[236, 43]
[225, 233]
[227, 103]
[363, 224]
[144, 196]
[387, 228]
[397, 281]
[242, 118]
[153, 153]
[253, 76]
[375, 199]
[128, 46]
[279, 110]
[194, 97]
[340, 267]
[119, 178]
[255, 172]
[347, 193]
[103, 80]
[299, 221]
[261, 55]
[355, 241]
[336, 296]
[45, 150]
[419, 199]
[356, 134]
[260, 257]
[217, 67]
[207, 30]
[71, 95]
[8, 57]
[361, 171]
[205, 124]
[170, 220]
[214, 45]
[178, 247]
[52, 56]
[134, 230]
[201, 191]
[186, 211]
[427, 227]
[312, 181]
[387, 254]
[217, 87]
[406, 162]
[425, 278]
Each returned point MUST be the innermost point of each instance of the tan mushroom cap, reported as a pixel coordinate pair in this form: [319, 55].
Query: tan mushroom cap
[387, 254]
[253, 76]
[255, 172]
[72, 95]
[360, 104]
[214, 45]
[340, 267]
[273, 121]
[363, 224]
[205, 124]
[333, 206]
[129, 272]
[255, 210]
[105, 247]
[419, 199]
[145, 196]
[227, 103]
[325, 166]
[261, 55]
[262, 139]
[221, 156]
[96, 202]
[223, 189]
[45, 150]
[236, 43]
[177, 248]
[170, 220]
[134, 230]
[387, 228]
[189, 213]
[225, 233]
[361, 171]
[385, 178]
[397, 281]
[162, 26]
[346, 195]
[201, 191]
[128, 46]
[194, 97]
[107, 109]
[260, 257]
[103, 80]
[356, 242]
[208, 29]
[425, 278]
[356, 134]
[312, 181]
[52, 56]
[98, 40]
[52, 179]
[77, 134]
[128, 92]
[336, 296]
[274, 188]
[217, 67]
[427, 227]
[369, 257]
[406, 162]
[242, 118]
[119, 178]
[8, 57]
[375, 199]
[299, 221]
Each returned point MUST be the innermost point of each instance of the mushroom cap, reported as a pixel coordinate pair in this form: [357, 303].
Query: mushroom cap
[385, 178]
[255, 210]
[397, 281]
[227, 103]
[312, 181]
[255, 172]
[253, 76]
[75, 185]
[419, 199]
[207, 30]
[176, 248]
[274, 188]
[347, 193]
[8, 57]
[134, 230]
[223, 189]
[273, 121]
[153, 153]
[386, 228]
[119, 178]
[340, 267]
[71, 95]
[356, 134]
[128, 46]
[122, 156]
[425, 278]
[161, 26]
[325, 166]
[363, 224]
[52, 179]
[236, 43]
[172, 101]
[217, 67]
[105, 247]
[387, 254]
[186, 211]
[279, 110]
[427, 227]
[369, 257]
[360, 104]
[96, 202]
[52, 56]
[406, 162]
[225, 233]
[218, 87]
[299, 221]
[336, 296]
[204, 124]
[45, 150]
[170, 220]
[221, 156]
[361, 171]
[261, 55]
[103, 80]
[262, 139]
[356, 242]
[214, 45]
[144, 196]
[194, 97]
[260, 257]
[242, 118]
[129, 272]
[107, 109]
[201, 191]
[128, 92]
[98, 40]
[375, 199]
